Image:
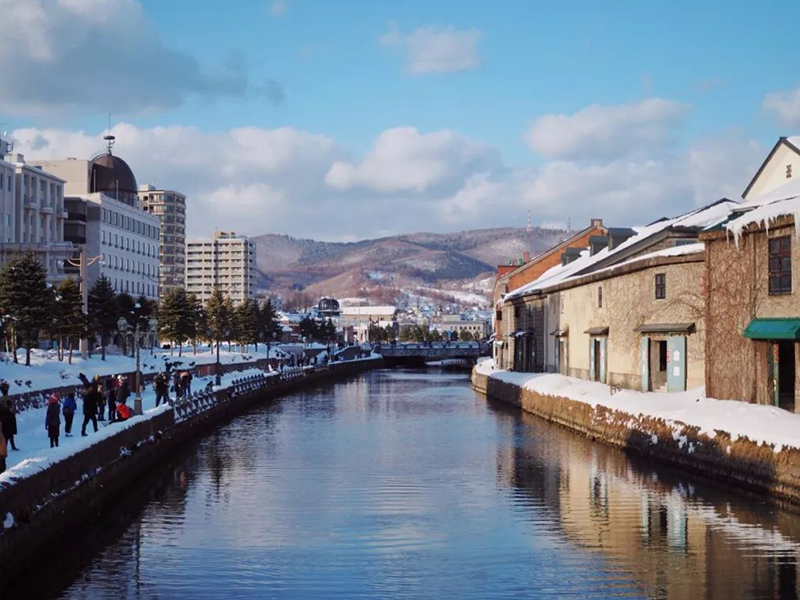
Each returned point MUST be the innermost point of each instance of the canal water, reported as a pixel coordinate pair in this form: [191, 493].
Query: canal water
[407, 484]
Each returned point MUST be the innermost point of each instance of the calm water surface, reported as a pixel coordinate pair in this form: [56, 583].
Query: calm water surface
[403, 484]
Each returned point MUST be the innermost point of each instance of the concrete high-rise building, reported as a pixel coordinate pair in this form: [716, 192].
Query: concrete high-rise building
[32, 213]
[117, 229]
[226, 261]
[170, 209]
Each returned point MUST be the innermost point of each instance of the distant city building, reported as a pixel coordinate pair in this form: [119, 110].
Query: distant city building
[170, 209]
[328, 307]
[102, 193]
[32, 213]
[455, 324]
[226, 261]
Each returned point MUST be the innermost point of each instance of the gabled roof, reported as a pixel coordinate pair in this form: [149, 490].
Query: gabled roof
[793, 143]
[696, 220]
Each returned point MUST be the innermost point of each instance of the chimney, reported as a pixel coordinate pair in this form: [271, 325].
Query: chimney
[526, 256]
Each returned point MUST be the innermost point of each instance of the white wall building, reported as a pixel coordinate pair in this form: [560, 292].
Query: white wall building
[226, 261]
[33, 215]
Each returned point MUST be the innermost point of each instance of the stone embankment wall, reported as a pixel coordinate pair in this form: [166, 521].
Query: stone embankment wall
[50, 504]
[739, 462]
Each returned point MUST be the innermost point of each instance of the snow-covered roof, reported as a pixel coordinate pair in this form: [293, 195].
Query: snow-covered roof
[766, 208]
[698, 218]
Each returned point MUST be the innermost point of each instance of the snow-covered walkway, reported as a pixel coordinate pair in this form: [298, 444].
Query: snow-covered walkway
[761, 424]
[35, 453]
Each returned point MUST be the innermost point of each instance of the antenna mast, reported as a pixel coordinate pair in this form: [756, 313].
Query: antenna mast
[529, 228]
[110, 139]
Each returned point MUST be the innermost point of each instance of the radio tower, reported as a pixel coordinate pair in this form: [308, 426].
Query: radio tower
[529, 228]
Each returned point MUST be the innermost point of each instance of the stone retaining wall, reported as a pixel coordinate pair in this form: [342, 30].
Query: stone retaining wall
[739, 462]
[51, 505]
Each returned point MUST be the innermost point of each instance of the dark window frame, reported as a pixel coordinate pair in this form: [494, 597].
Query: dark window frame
[779, 265]
[661, 286]
[600, 296]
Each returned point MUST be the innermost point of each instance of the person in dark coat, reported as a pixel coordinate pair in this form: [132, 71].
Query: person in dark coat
[8, 421]
[176, 383]
[186, 382]
[161, 387]
[111, 397]
[70, 406]
[123, 391]
[92, 398]
[52, 422]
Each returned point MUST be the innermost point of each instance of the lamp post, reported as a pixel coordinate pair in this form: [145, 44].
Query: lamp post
[83, 263]
[123, 326]
[218, 378]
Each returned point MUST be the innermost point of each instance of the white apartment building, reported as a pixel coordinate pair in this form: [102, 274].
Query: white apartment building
[170, 208]
[226, 261]
[33, 215]
[127, 239]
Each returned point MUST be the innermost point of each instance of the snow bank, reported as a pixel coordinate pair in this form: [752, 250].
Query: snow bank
[762, 424]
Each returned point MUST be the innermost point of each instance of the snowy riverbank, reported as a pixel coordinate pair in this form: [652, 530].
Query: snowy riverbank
[761, 424]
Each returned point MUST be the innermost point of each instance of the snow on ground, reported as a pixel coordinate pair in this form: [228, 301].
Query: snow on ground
[761, 424]
[35, 453]
[47, 372]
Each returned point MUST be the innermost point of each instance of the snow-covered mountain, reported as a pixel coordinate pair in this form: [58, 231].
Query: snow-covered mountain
[393, 269]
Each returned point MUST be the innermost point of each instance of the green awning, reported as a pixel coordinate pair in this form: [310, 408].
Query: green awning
[773, 329]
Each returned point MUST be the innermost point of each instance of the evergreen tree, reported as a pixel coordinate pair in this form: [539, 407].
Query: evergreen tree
[230, 310]
[269, 326]
[247, 323]
[308, 328]
[465, 336]
[103, 310]
[436, 335]
[176, 318]
[199, 321]
[71, 321]
[217, 316]
[125, 309]
[27, 300]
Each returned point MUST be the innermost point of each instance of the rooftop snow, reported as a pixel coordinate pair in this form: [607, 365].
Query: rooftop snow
[701, 217]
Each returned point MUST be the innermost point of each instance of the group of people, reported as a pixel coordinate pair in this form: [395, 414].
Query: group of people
[99, 397]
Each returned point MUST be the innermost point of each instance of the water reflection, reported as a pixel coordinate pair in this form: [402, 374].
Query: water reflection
[678, 537]
[407, 484]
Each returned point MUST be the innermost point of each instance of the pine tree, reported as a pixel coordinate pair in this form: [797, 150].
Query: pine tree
[103, 310]
[71, 320]
[125, 309]
[199, 321]
[268, 324]
[231, 312]
[26, 298]
[176, 317]
[465, 336]
[247, 323]
[217, 317]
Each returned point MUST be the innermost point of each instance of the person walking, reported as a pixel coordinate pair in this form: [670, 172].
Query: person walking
[92, 398]
[176, 383]
[186, 382]
[52, 421]
[101, 406]
[111, 397]
[161, 387]
[70, 406]
[8, 421]
[3, 453]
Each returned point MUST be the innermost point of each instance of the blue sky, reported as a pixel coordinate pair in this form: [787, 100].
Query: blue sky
[619, 109]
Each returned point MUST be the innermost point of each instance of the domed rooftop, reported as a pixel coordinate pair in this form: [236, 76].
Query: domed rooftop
[112, 176]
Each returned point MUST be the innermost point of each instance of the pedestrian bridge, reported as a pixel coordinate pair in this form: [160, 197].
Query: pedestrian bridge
[419, 353]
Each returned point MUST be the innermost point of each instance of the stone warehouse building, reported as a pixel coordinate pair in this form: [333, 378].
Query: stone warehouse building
[630, 315]
[752, 275]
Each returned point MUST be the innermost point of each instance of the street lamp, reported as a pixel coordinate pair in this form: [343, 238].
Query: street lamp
[123, 326]
[218, 378]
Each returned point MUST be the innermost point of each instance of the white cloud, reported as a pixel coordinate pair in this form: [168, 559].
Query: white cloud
[256, 180]
[785, 105]
[403, 159]
[278, 8]
[99, 55]
[602, 132]
[431, 49]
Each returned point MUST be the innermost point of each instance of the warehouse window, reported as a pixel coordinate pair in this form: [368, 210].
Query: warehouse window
[661, 286]
[780, 265]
